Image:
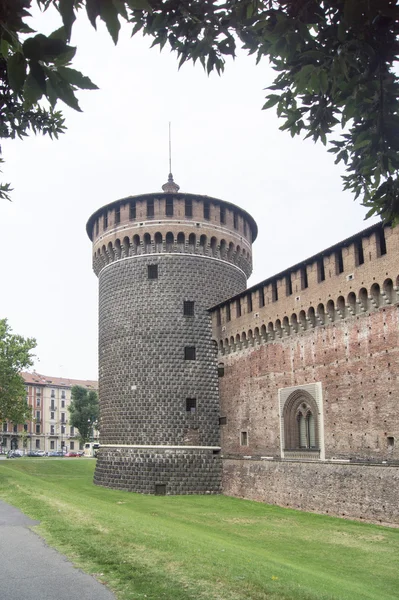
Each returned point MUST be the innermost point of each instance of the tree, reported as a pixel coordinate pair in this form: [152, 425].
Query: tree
[334, 61]
[83, 411]
[15, 355]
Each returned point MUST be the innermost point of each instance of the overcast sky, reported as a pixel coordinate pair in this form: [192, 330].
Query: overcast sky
[224, 146]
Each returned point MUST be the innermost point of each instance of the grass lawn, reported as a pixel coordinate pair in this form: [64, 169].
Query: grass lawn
[200, 547]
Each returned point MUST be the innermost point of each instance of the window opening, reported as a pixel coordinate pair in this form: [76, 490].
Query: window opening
[169, 207]
[244, 438]
[132, 210]
[97, 226]
[274, 291]
[160, 489]
[339, 262]
[245, 227]
[117, 215]
[150, 208]
[359, 255]
[238, 307]
[105, 221]
[288, 285]
[381, 243]
[235, 220]
[152, 271]
[249, 303]
[189, 353]
[37, 444]
[228, 312]
[222, 420]
[188, 208]
[218, 317]
[321, 275]
[261, 297]
[304, 278]
[207, 211]
[191, 405]
[188, 308]
[222, 215]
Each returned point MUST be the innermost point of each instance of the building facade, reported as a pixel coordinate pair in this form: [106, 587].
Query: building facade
[49, 430]
[285, 392]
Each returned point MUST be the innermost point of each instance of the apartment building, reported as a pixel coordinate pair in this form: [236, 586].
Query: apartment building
[49, 430]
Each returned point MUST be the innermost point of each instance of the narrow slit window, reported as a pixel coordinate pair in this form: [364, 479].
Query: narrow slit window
[222, 215]
[274, 291]
[218, 317]
[238, 307]
[117, 216]
[381, 243]
[188, 208]
[249, 303]
[191, 405]
[228, 312]
[304, 278]
[359, 254]
[244, 438]
[339, 262]
[288, 285]
[261, 297]
[235, 220]
[169, 207]
[105, 221]
[132, 210]
[189, 353]
[152, 271]
[321, 275]
[188, 308]
[150, 208]
[97, 226]
[207, 211]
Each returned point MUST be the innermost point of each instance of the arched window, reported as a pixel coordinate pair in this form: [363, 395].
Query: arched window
[300, 423]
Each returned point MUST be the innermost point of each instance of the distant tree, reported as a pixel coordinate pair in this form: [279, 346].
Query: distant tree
[83, 411]
[15, 356]
[334, 61]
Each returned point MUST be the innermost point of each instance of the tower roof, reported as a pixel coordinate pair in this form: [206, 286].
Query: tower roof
[170, 187]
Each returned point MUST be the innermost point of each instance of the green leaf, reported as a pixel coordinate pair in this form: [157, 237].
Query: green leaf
[63, 90]
[4, 48]
[139, 5]
[93, 11]
[361, 144]
[76, 78]
[33, 47]
[38, 74]
[109, 14]
[272, 100]
[66, 57]
[32, 91]
[16, 71]
[66, 8]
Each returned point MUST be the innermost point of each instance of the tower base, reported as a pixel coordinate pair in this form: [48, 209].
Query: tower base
[159, 471]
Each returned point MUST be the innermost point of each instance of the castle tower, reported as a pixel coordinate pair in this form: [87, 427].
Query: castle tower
[163, 259]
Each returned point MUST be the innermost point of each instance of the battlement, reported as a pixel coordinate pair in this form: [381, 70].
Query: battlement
[172, 223]
[350, 278]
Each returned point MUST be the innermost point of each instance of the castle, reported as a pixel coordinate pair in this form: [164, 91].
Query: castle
[285, 392]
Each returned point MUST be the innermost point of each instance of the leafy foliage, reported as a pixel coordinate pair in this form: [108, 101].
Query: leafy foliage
[334, 61]
[15, 355]
[83, 411]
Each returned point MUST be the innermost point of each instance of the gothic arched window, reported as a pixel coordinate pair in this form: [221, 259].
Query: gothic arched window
[301, 422]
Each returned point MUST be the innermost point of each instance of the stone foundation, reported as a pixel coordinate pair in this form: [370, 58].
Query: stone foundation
[147, 470]
[356, 491]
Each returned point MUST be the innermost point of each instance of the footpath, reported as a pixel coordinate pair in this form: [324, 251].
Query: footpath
[30, 570]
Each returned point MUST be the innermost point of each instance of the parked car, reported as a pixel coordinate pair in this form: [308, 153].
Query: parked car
[14, 454]
[72, 455]
[32, 453]
[55, 453]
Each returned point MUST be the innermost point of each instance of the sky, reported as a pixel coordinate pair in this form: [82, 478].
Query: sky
[224, 146]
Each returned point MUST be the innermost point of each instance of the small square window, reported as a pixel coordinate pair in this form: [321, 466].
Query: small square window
[160, 489]
[222, 420]
[188, 308]
[191, 405]
[189, 353]
[152, 271]
[244, 438]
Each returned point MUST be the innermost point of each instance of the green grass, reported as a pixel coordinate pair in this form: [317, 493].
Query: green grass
[200, 547]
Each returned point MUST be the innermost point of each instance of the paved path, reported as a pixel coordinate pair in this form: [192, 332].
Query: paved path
[30, 570]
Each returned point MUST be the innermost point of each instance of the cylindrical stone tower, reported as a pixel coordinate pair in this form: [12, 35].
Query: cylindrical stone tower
[162, 261]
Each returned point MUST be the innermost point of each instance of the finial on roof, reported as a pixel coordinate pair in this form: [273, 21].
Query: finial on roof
[170, 187]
